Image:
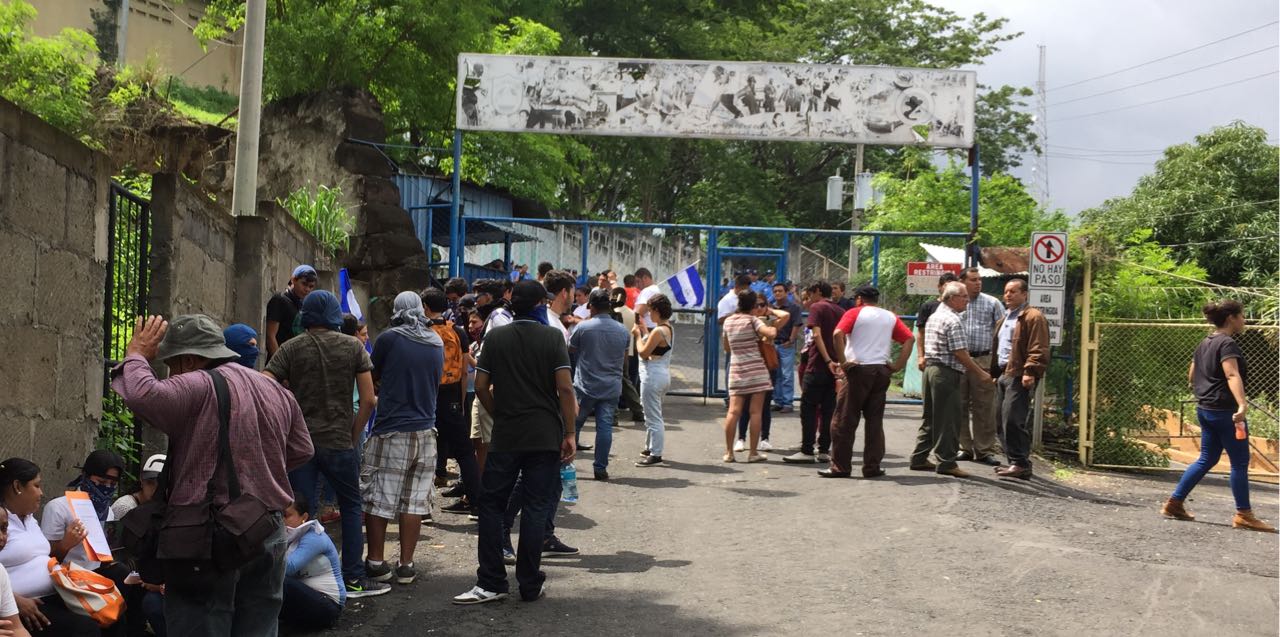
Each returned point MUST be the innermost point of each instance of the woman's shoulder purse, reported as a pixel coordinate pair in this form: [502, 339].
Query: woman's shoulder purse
[768, 352]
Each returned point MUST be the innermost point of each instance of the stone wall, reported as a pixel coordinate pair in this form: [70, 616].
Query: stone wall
[205, 261]
[53, 235]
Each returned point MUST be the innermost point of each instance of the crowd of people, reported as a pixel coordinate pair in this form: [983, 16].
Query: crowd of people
[500, 376]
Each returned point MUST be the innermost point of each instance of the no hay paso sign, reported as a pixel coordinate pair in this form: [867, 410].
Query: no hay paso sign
[728, 100]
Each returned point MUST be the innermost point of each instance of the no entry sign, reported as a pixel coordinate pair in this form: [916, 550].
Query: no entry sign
[922, 276]
[1049, 260]
[1049, 279]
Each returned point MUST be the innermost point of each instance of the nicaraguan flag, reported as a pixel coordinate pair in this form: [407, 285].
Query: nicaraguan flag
[347, 296]
[686, 287]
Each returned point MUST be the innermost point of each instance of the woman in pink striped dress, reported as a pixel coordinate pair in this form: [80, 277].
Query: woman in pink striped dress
[748, 377]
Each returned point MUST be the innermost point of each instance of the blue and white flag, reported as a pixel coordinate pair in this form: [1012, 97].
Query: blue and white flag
[686, 287]
[347, 296]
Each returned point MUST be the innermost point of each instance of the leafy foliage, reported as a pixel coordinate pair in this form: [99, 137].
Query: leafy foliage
[1219, 195]
[322, 213]
[50, 77]
[207, 105]
[939, 201]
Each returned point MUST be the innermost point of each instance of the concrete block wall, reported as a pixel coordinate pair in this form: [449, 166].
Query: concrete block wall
[205, 261]
[53, 235]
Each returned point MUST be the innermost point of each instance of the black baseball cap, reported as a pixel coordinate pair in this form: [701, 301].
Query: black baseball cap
[100, 460]
[600, 299]
[526, 295]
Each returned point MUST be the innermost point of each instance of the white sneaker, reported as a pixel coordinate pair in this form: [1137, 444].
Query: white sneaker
[822, 457]
[764, 446]
[740, 445]
[478, 595]
[799, 457]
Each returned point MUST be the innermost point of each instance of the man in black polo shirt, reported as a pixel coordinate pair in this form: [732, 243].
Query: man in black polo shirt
[283, 308]
[522, 378]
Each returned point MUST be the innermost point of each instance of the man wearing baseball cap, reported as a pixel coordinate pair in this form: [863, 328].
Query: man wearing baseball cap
[284, 307]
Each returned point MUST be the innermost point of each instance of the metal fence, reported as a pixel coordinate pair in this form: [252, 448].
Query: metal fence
[125, 294]
[1141, 410]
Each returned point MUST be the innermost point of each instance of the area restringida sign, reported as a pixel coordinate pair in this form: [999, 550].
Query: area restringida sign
[727, 100]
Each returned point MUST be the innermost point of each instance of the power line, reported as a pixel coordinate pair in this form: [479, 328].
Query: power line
[1166, 99]
[1173, 55]
[1101, 161]
[1103, 151]
[1205, 243]
[1166, 77]
[1147, 219]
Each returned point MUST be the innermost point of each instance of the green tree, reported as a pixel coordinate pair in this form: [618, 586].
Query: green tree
[1213, 201]
[50, 77]
[939, 201]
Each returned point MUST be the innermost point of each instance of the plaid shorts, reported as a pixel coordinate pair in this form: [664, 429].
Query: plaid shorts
[397, 473]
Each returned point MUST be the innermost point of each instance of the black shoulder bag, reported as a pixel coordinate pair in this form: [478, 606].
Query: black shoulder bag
[196, 542]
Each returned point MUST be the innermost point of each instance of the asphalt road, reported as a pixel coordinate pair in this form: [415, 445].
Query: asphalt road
[704, 548]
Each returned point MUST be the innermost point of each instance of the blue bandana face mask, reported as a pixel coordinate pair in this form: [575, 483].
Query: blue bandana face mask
[101, 496]
[248, 356]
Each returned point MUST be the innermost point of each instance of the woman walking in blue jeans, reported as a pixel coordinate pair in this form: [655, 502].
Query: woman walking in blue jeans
[654, 348]
[1217, 375]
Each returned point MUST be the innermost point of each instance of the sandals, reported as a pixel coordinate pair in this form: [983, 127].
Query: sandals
[757, 458]
[728, 457]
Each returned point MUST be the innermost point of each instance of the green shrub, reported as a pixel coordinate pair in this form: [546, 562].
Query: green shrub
[322, 213]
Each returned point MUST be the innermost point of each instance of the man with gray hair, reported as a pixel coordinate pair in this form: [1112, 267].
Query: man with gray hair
[946, 362]
[268, 438]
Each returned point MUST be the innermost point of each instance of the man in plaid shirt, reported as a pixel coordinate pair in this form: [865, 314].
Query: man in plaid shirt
[947, 363]
[977, 439]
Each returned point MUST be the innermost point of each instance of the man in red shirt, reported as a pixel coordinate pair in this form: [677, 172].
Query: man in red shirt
[818, 384]
[863, 341]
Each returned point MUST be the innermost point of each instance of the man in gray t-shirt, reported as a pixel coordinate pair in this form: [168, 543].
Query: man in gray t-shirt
[601, 346]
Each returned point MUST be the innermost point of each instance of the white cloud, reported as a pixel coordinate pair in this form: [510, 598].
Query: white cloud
[1088, 38]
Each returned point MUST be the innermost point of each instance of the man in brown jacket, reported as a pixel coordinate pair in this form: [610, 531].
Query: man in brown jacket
[1021, 351]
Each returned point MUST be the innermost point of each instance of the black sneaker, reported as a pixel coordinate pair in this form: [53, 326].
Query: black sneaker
[427, 519]
[406, 573]
[602, 475]
[455, 491]
[379, 573]
[585, 447]
[553, 547]
[459, 506]
[645, 452]
[365, 587]
[651, 461]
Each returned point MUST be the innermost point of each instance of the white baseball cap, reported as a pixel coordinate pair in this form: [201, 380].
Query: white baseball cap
[153, 466]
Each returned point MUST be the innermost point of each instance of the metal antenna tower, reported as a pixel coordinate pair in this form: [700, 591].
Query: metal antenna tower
[1040, 178]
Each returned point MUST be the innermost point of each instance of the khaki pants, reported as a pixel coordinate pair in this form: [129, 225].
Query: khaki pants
[978, 432]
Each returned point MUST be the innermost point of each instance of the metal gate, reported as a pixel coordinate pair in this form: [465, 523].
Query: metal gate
[124, 299]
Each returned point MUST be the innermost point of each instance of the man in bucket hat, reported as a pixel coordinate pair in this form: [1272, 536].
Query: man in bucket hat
[268, 437]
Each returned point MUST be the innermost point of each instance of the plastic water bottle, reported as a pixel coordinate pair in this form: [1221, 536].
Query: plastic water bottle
[568, 483]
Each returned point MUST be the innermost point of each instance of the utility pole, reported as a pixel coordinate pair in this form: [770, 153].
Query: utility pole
[244, 191]
[855, 223]
[1041, 168]
[122, 31]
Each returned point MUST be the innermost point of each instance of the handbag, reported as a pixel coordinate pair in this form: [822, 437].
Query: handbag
[87, 593]
[768, 353]
[195, 542]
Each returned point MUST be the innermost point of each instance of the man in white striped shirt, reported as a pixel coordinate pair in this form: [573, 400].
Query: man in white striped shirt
[977, 435]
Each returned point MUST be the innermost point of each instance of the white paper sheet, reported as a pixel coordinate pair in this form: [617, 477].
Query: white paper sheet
[97, 538]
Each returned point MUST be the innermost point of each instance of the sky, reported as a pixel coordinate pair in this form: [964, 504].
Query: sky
[1097, 157]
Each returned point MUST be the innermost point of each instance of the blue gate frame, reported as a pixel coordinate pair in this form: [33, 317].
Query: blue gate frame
[714, 252]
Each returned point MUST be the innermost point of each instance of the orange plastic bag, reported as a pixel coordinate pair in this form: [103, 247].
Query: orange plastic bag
[87, 593]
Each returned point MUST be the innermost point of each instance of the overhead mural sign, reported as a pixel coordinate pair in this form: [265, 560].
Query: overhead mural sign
[725, 100]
